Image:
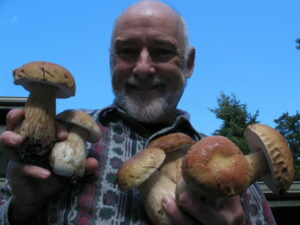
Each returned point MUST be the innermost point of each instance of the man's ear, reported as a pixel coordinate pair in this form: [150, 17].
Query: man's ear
[190, 62]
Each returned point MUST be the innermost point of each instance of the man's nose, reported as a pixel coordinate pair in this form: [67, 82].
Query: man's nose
[144, 65]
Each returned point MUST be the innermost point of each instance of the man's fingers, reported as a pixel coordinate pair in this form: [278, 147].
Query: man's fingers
[179, 217]
[9, 141]
[35, 171]
[92, 165]
[14, 117]
[218, 211]
[61, 131]
[200, 210]
[19, 170]
[234, 209]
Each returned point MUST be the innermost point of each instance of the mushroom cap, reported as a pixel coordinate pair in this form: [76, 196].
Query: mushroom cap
[175, 146]
[82, 120]
[139, 168]
[45, 73]
[216, 167]
[261, 137]
[172, 142]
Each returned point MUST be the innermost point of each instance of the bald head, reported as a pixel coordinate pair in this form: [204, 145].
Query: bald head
[144, 10]
[150, 8]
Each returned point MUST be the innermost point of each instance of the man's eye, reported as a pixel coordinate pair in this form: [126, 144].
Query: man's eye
[127, 51]
[162, 54]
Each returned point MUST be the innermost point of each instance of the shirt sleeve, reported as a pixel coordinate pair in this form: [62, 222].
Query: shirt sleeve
[256, 207]
[5, 197]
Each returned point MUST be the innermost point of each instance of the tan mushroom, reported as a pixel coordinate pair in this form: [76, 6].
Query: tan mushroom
[68, 158]
[139, 168]
[45, 81]
[269, 146]
[155, 171]
[215, 167]
[152, 192]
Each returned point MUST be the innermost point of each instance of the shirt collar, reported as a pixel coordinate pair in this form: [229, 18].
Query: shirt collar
[181, 123]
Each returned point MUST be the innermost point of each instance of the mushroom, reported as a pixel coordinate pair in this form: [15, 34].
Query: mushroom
[45, 81]
[155, 172]
[268, 145]
[215, 167]
[68, 157]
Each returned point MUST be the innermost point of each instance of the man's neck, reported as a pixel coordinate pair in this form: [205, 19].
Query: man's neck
[154, 127]
[160, 124]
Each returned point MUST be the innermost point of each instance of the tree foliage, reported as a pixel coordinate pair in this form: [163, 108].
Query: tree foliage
[298, 42]
[289, 127]
[235, 118]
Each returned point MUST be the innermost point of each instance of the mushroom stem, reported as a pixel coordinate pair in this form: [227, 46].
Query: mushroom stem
[68, 158]
[258, 165]
[40, 107]
[152, 192]
[38, 127]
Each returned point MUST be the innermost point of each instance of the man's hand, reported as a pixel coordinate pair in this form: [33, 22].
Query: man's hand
[32, 185]
[190, 210]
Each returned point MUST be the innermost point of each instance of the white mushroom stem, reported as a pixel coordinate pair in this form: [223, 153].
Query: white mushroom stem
[152, 192]
[68, 158]
[171, 167]
[40, 114]
[258, 165]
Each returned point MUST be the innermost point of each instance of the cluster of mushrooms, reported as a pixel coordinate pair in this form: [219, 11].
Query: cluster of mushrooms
[213, 168]
[47, 81]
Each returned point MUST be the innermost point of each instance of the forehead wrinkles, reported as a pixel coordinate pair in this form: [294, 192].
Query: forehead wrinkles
[168, 24]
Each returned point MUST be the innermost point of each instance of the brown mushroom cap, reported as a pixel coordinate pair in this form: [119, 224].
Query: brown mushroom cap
[139, 168]
[45, 73]
[276, 150]
[172, 142]
[216, 167]
[175, 145]
[82, 120]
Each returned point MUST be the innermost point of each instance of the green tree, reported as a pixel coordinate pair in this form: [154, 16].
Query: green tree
[235, 119]
[289, 127]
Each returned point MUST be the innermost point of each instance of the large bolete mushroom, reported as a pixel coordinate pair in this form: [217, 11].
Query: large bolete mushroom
[45, 81]
[269, 146]
[155, 171]
[68, 157]
[215, 167]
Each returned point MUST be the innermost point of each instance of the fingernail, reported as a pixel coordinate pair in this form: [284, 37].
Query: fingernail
[44, 173]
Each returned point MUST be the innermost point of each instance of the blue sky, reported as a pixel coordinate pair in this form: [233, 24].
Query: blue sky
[243, 47]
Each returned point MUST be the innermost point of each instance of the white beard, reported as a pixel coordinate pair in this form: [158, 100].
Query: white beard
[148, 110]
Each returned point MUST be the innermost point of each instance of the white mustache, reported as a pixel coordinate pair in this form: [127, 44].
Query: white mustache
[146, 82]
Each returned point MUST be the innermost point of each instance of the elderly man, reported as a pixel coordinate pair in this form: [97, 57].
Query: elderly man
[150, 62]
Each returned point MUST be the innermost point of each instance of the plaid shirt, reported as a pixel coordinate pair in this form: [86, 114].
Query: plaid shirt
[99, 201]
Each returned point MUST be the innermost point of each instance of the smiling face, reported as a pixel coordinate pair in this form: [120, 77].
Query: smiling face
[148, 63]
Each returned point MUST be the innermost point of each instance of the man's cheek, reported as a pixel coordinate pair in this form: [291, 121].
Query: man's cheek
[116, 82]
